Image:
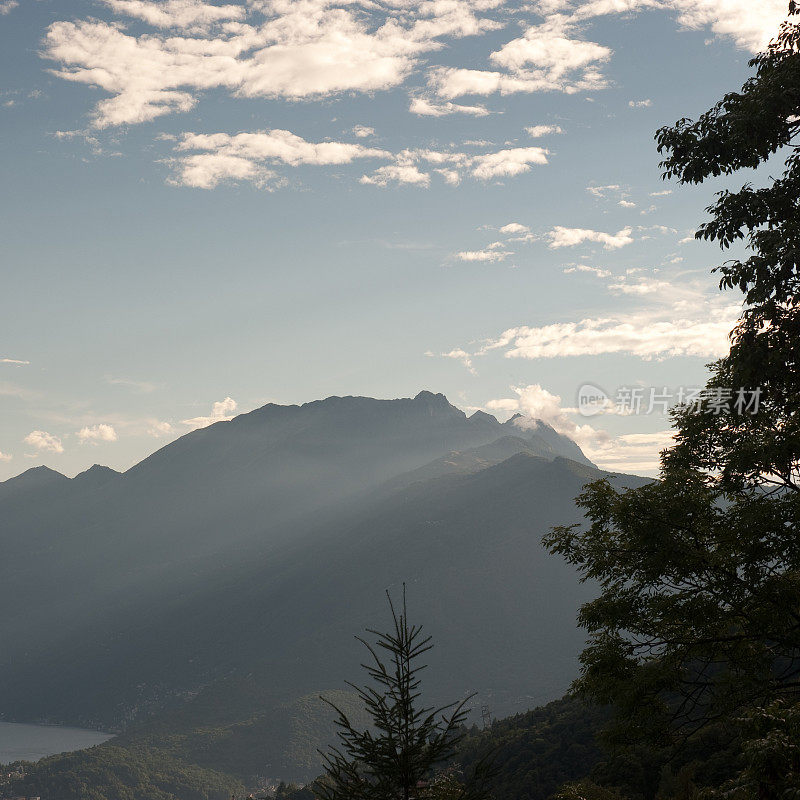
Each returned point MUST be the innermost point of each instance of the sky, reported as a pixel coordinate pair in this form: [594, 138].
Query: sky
[210, 206]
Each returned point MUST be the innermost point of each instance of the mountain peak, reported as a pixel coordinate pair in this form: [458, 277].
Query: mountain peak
[482, 415]
[36, 475]
[96, 475]
[434, 399]
[32, 479]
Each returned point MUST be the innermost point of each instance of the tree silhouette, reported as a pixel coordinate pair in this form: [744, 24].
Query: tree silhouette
[698, 619]
[396, 758]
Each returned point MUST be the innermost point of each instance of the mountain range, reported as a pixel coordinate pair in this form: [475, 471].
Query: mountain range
[229, 570]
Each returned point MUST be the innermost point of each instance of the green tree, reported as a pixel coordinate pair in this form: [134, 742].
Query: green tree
[396, 759]
[698, 618]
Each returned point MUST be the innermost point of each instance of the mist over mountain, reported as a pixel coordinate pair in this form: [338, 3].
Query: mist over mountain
[257, 547]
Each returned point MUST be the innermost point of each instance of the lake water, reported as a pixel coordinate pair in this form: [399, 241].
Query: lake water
[20, 742]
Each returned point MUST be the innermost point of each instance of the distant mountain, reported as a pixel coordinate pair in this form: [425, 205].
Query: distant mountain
[96, 476]
[258, 547]
[40, 480]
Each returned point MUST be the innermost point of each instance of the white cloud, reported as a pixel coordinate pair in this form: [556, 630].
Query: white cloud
[536, 403]
[363, 131]
[176, 13]
[513, 161]
[515, 227]
[5, 456]
[461, 356]
[44, 441]
[489, 254]
[293, 49]
[7, 6]
[309, 49]
[570, 237]
[221, 411]
[206, 160]
[97, 433]
[662, 193]
[158, 429]
[453, 165]
[630, 452]
[640, 285]
[220, 157]
[750, 23]
[548, 57]
[646, 103]
[425, 107]
[596, 271]
[608, 192]
[14, 362]
[397, 173]
[654, 333]
[537, 131]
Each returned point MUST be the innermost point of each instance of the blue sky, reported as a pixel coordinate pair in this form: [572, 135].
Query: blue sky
[210, 206]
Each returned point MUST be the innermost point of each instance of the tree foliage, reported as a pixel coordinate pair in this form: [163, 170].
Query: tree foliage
[395, 759]
[698, 618]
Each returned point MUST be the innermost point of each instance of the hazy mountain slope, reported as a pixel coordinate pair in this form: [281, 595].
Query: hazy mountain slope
[81, 549]
[464, 462]
[502, 610]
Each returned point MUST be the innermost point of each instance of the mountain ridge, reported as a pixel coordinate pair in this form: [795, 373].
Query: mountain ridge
[258, 546]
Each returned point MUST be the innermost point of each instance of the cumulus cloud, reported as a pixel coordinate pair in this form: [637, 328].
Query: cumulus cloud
[534, 402]
[459, 355]
[749, 24]
[193, 14]
[548, 57]
[6, 7]
[560, 236]
[221, 411]
[425, 107]
[513, 161]
[640, 103]
[97, 433]
[397, 173]
[514, 228]
[158, 429]
[293, 49]
[681, 317]
[453, 165]
[220, 157]
[489, 254]
[596, 271]
[639, 285]
[15, 362]
[630, 452]
[310, 49]
[649, 334]
[206, 160]
[537, 131]
[363, 131]
[44, 441]
[611, 191]
[5, 456]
